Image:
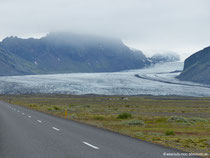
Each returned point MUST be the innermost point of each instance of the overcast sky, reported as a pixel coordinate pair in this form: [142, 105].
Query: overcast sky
[182, 26]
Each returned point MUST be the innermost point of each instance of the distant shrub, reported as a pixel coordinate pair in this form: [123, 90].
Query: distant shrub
[178, 119]
[124, 115]
[186, 121]
[197, 119]
[99, 118]
[167, 133]
[49, 109]
[32, 105]
[56, 108]
[133, 123]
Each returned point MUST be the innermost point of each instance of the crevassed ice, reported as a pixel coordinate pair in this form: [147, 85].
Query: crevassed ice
[155, 80]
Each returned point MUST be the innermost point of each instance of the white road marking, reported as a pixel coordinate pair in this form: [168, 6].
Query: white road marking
[95, 147]
[39, 121]
[23, 113]
[55, 128]
[29, 116]
[18, 111]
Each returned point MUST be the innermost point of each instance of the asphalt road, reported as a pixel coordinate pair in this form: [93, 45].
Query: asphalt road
[30, 134]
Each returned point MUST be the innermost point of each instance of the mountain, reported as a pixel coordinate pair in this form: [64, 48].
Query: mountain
[166, 57]
[197, 67]
[67, 52]
[11, 64]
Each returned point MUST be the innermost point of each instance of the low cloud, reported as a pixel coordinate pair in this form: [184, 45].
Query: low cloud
[177, 25]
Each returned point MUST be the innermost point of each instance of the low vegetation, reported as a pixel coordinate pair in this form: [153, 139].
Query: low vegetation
[179, 122]
[124, 115]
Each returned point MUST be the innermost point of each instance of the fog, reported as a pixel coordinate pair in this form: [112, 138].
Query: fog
[180, 26]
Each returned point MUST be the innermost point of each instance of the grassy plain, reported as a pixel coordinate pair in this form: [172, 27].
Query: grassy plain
[179, 122]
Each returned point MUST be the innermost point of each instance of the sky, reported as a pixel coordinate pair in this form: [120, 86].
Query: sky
[153, 26]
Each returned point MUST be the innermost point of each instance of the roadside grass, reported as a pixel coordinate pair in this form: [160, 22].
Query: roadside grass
[179, 122]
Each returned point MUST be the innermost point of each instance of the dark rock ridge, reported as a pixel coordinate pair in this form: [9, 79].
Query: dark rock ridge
[197, 67]
[66, 53]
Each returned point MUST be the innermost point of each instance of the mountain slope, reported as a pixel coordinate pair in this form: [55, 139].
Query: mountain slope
[197, 67]
[66, 52]
[11, 64]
